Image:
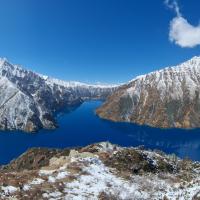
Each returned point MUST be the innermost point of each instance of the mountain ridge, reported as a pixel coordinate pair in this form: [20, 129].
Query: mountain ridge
[164, 98]
[194, 58]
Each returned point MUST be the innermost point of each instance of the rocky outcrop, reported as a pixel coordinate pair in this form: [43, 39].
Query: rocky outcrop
[28, 101]
[99, 171]
[165, 98]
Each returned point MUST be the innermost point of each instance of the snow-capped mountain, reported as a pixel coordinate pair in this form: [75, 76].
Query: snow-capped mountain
[164, 98]
[28, 100]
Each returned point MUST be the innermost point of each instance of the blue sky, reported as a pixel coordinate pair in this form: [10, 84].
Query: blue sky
[107, 41]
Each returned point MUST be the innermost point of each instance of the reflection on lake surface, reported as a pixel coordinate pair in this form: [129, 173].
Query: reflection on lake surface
[82, 127]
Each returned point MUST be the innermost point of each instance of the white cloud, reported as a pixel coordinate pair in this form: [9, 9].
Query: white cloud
[181, 31]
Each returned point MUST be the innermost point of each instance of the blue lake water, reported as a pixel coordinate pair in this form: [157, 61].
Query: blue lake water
[82, 127]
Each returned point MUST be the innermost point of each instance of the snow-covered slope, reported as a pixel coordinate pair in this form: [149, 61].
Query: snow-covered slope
[164, 98]
[28, 101]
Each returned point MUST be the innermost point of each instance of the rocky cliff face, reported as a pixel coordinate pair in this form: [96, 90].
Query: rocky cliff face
[165, 98]
[28, 100]
[100, 171]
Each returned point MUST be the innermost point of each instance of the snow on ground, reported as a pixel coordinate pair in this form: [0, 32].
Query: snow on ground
[9, 189]
[96, 178]
[83, 176]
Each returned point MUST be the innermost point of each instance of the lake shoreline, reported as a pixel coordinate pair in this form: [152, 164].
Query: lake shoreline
[82, 127]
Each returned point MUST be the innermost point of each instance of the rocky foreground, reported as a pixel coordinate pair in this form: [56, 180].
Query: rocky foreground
[99, 171]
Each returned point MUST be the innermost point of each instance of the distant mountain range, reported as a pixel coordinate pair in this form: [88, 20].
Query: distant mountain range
[166, 98]
[29, 101]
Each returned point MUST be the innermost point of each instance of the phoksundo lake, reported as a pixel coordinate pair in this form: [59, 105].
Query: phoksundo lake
[82, 127]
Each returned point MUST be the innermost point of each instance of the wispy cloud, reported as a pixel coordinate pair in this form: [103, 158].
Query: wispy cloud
[173, 5]
[181, 31]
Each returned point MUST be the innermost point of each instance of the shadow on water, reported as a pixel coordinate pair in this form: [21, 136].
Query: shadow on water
[80, 126]
[66, 110]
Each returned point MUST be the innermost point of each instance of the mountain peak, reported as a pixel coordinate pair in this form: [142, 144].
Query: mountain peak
[195, 58]
[194, 62]
[2, 61]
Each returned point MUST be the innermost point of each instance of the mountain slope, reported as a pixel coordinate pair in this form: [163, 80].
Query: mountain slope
[164, 98]
[28, 100]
